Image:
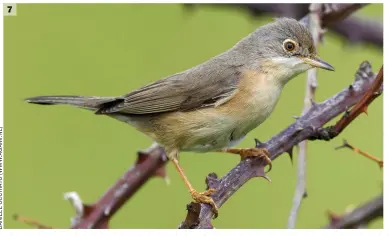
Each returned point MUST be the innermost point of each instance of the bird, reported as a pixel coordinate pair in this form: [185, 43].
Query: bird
[212, 106]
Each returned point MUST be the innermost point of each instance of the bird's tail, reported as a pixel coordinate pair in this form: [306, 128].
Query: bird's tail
[88, 102]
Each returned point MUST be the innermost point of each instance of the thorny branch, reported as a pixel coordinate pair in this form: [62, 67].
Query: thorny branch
[305, 127]
[361, 107]
[361, 215]
[31, 222]
[359, 30]
[149, 163]
[339, 11]
[374, 91]
[354, 29]
[314, 25]
[365, 154]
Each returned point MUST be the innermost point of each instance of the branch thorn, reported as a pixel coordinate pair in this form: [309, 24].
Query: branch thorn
[267, 178]
[344, 145]
[290, 153]
[364, 110]
[258, 143]
[212, 181]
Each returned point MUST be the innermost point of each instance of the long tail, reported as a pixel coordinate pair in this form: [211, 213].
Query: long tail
[88, 102]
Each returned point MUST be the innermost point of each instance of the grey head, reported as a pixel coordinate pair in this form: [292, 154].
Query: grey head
[285, 43]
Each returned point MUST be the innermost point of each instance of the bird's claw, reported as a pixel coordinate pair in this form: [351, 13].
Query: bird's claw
[204, 197]
[257, 153]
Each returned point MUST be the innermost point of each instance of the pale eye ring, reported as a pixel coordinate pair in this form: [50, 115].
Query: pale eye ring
[289, 45]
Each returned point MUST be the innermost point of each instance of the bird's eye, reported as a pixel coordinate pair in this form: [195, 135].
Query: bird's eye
[289, 45]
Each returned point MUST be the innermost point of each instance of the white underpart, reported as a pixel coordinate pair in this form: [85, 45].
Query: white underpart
[291, 62]
[290, 66]
[222, 144]
[233, 143]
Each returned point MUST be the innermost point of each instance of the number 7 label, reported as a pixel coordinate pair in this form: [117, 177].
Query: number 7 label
[9, 9]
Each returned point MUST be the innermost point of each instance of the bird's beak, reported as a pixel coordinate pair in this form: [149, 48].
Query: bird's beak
[317, 62]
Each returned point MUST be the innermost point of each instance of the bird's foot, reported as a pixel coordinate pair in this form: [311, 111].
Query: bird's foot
[204, 197]
[256, 153]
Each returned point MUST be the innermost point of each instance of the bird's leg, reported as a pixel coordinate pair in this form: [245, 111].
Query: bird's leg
[198, 197]
[250, 152]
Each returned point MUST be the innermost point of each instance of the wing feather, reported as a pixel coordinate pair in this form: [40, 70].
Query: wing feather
[192, 89]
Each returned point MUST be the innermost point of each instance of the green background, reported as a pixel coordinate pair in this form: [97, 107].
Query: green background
[103, 49]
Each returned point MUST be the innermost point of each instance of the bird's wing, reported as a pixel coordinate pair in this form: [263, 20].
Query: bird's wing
[193, 89]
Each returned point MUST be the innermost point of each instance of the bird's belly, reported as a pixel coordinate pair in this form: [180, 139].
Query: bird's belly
[215, 144]
[222, 133]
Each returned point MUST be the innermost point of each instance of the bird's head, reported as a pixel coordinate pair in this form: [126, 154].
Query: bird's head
[285, 46]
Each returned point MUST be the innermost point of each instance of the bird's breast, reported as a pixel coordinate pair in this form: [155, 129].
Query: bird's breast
[254, 101]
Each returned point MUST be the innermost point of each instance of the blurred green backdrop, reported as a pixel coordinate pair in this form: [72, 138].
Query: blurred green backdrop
[102, 49]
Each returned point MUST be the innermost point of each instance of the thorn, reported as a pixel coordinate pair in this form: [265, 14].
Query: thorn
[364, 110]
[351, 88]
[298, 130]
[260, 172]
[267, 178]
[258, 143]
[344, 145]
[295, 117]
[211, 181]
[290, 153]
[212, 175]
